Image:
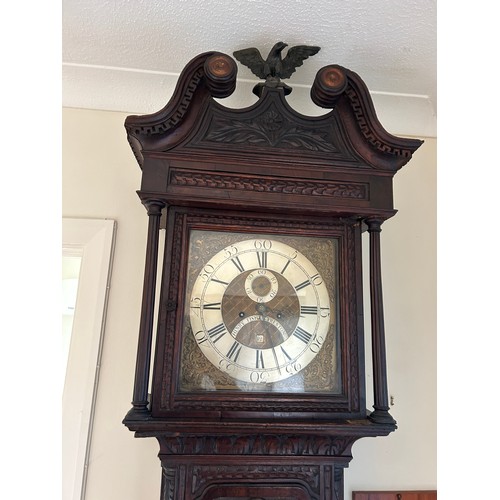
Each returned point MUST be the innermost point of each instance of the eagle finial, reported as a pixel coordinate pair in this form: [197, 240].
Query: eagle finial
[275, 68]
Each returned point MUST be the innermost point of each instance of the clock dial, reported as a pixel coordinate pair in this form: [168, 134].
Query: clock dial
[259, 311]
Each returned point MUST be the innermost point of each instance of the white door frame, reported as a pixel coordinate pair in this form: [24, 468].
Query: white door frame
[94, 239]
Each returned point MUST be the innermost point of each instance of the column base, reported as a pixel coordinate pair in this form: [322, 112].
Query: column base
[379, 416]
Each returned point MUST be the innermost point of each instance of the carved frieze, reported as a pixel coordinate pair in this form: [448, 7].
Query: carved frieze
[275, 445]
[334, 189]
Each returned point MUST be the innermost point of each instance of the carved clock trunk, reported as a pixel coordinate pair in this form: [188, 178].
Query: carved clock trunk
[258, 379]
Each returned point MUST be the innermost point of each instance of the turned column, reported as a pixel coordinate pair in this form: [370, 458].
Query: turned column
[141, 382]
[380, 392]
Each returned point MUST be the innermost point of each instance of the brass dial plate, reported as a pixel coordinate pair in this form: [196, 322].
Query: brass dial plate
[260, 313]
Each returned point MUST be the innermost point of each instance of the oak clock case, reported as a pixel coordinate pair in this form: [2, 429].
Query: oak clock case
[258, 377]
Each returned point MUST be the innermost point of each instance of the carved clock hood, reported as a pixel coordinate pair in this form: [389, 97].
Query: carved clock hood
[194, 124]
[264, 181]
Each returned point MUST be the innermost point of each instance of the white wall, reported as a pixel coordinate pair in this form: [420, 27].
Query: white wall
[406, 459]
[100, 178]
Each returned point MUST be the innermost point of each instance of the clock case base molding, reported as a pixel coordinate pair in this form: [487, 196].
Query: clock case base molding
[265, 168]
[298, 460]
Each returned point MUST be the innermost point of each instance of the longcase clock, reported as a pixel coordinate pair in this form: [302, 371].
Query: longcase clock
[257, 372]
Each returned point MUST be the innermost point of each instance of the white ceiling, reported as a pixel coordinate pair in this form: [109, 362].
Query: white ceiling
[126, 55]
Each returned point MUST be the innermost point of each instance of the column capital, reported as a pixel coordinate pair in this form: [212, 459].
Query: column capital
[153, 206]
[374, 224]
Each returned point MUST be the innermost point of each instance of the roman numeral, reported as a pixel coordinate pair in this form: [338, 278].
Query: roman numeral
[308, 309]
[262, 258]
[236, 261]
[259, 359]
[285, 353]
[286, 265]
[220, 281]
[301, 334]
[217, 332]
[214, 306]
[302, 285]
[234, 352]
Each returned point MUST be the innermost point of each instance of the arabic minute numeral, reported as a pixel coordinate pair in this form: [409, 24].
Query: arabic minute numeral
[316, 345]
[207, 271]
[200, 337]
[316, 280]
[293, 368]
[259, 377]
[195, 306]
[263, 244]
[230, 251]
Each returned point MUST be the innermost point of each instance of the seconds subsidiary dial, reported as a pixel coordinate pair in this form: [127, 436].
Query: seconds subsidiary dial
[259, 311]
